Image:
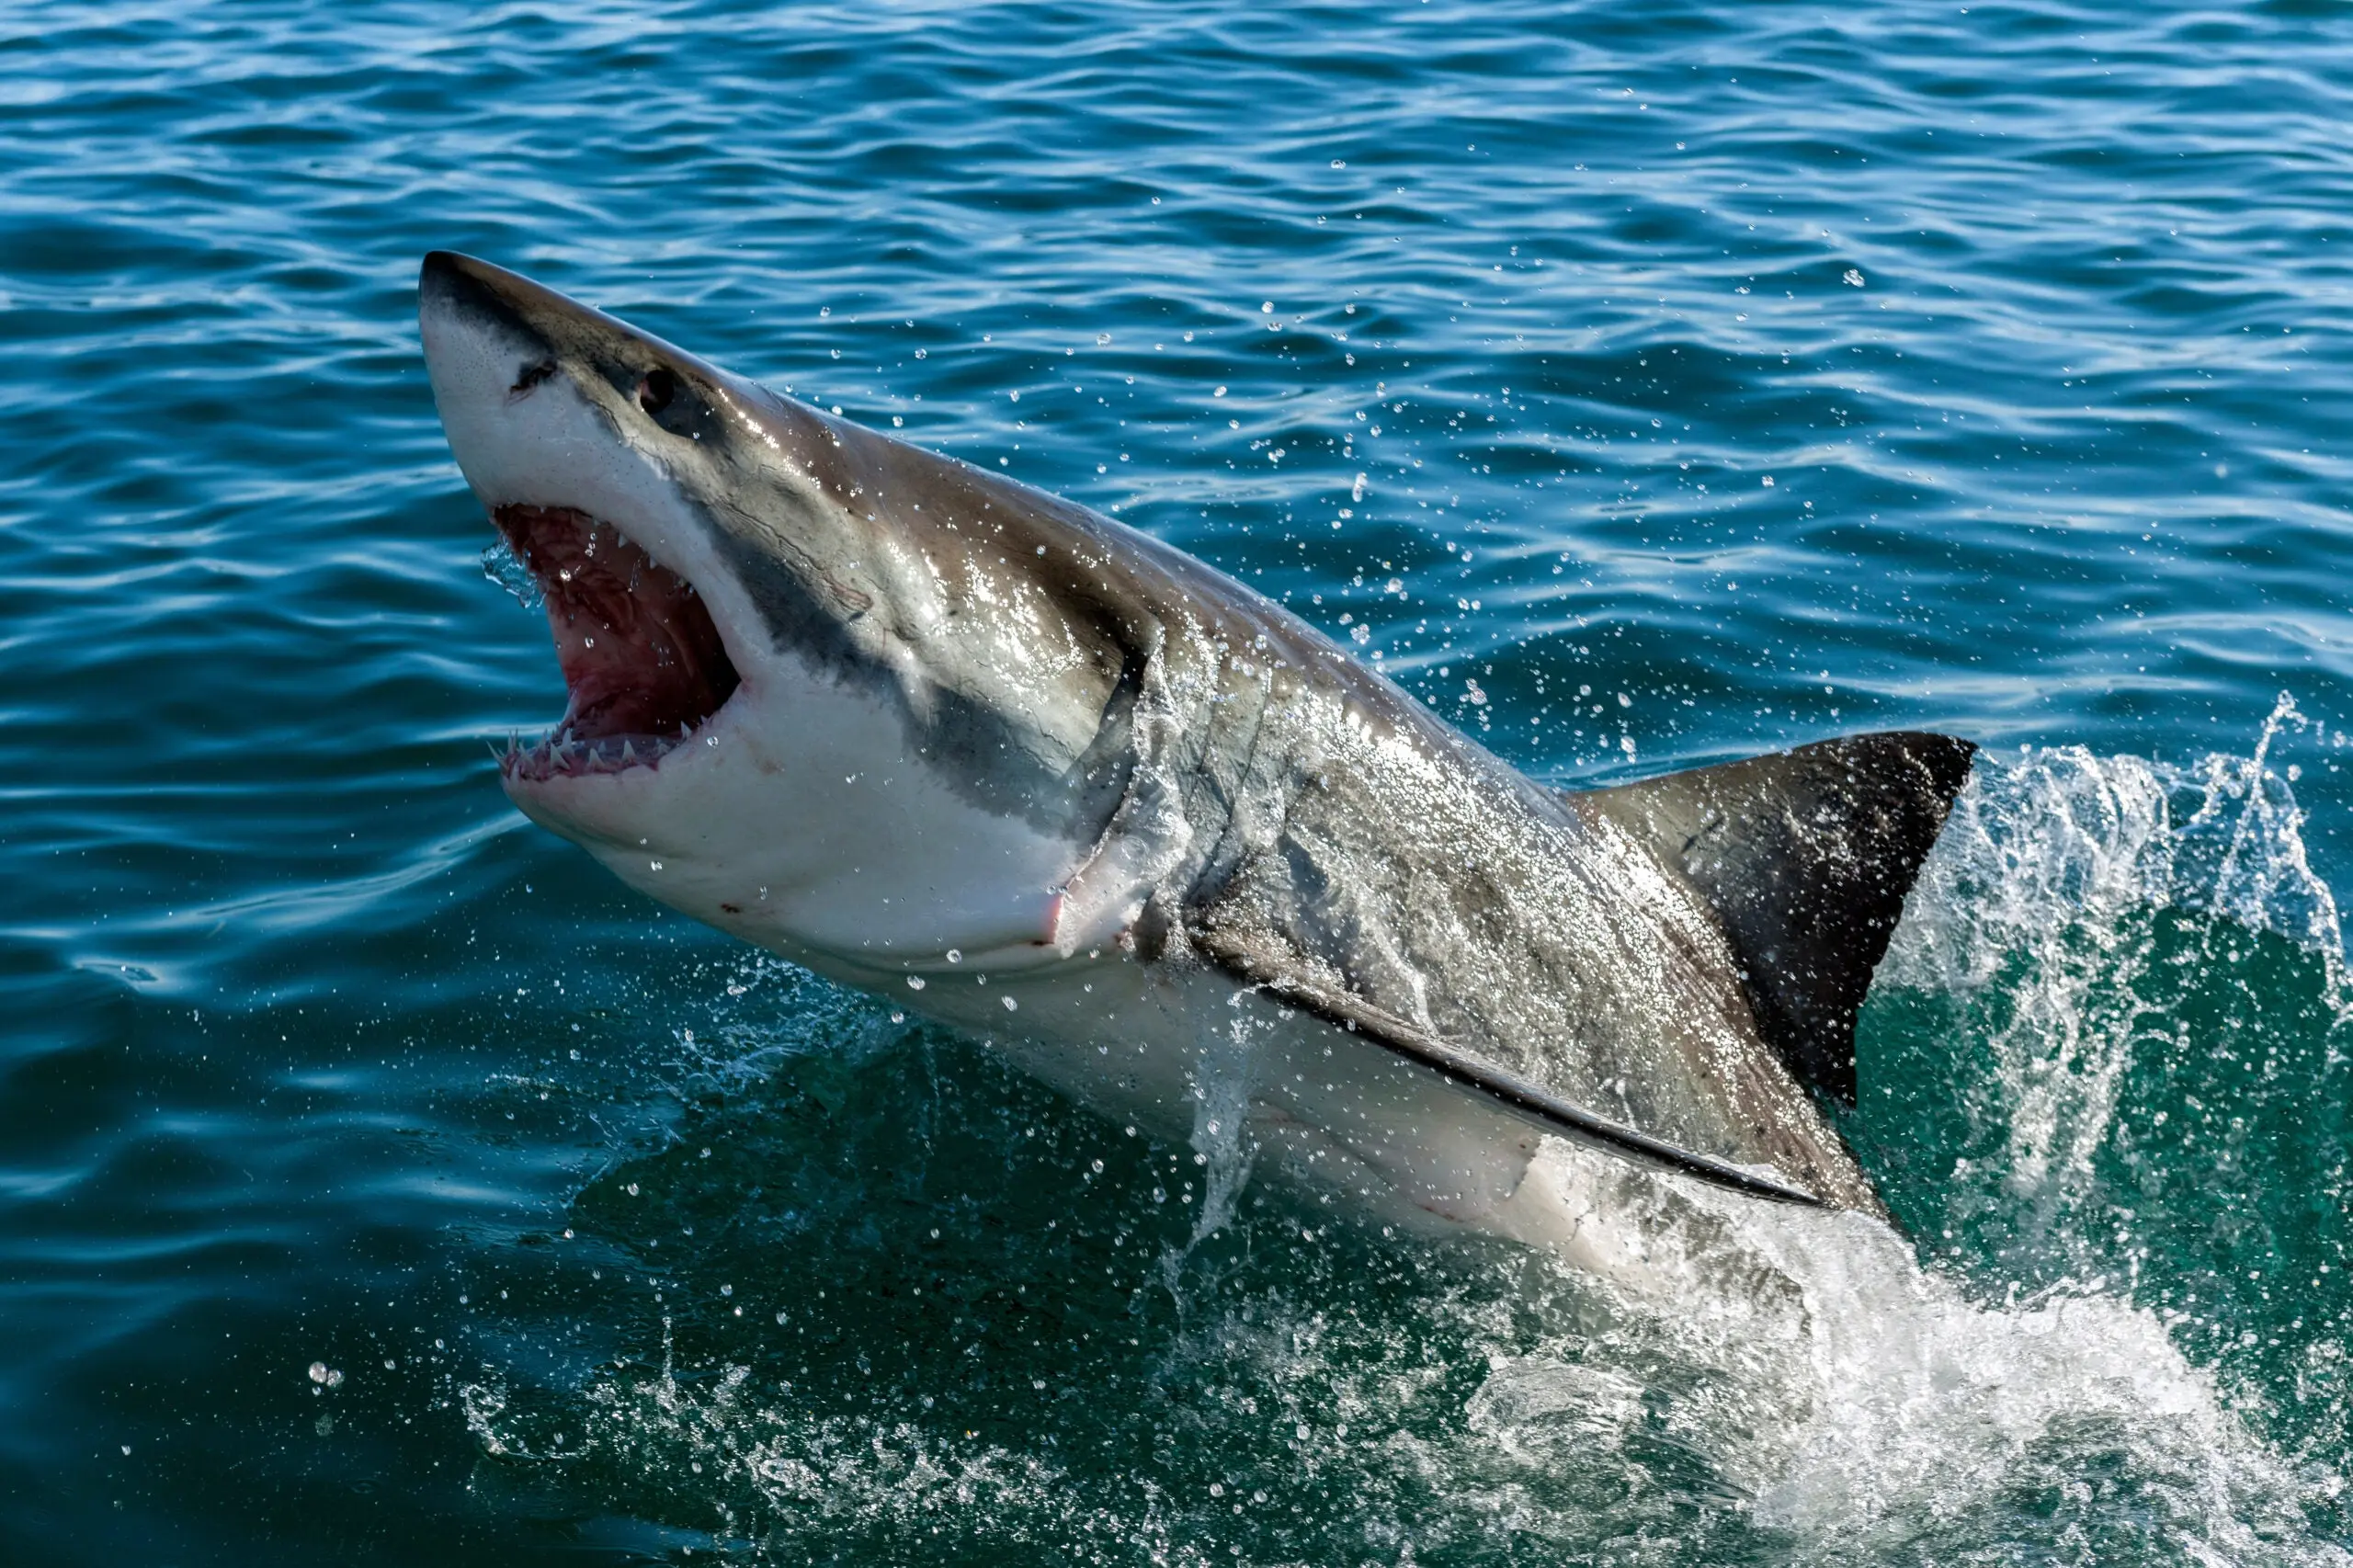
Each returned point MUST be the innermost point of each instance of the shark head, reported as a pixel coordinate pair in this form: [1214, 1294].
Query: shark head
[843, 696]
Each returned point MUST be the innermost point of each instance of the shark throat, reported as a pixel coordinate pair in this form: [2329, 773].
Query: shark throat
[643, 665]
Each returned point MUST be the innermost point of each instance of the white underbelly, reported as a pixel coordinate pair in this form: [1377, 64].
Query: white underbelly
[1193, 1058]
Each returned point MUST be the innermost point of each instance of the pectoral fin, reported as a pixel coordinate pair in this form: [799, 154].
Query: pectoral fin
[1290, 979]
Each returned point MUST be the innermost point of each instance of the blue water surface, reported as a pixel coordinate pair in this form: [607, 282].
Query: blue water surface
[1641, 384]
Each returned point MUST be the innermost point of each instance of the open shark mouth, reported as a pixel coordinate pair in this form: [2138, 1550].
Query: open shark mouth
[642, 660]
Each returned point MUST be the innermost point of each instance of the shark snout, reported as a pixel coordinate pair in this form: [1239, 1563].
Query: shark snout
[551, 409]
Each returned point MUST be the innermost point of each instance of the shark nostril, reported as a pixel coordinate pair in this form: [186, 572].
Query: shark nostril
[530, 376]
[656, 391]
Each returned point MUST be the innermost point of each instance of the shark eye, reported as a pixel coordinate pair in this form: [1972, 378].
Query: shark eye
[656, 391]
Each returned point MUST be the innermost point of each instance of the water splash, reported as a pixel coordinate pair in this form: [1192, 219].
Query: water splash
[2061, 837]
[1908, 1417]
[2080, 967]
[2032, 899]
[750, 1456]
[504, 567]
[1223, 1075]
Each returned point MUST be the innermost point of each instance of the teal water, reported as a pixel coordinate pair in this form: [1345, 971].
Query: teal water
[1642, 385]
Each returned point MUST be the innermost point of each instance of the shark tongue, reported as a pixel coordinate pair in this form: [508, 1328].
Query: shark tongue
[641, 657]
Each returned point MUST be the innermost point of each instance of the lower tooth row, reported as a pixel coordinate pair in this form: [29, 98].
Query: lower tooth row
[573, 758]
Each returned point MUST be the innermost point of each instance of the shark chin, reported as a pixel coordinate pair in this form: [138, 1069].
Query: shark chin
[1040, 777]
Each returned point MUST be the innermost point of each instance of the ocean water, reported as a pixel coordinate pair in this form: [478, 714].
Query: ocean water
[1642, 385]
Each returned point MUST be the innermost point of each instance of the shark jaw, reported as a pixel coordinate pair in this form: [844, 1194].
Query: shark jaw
[610, 542]
[643, 665]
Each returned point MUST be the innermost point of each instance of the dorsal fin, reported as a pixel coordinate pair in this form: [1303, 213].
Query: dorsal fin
[1804, 856]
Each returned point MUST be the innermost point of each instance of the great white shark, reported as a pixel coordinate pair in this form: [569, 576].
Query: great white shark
[1017, 766]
